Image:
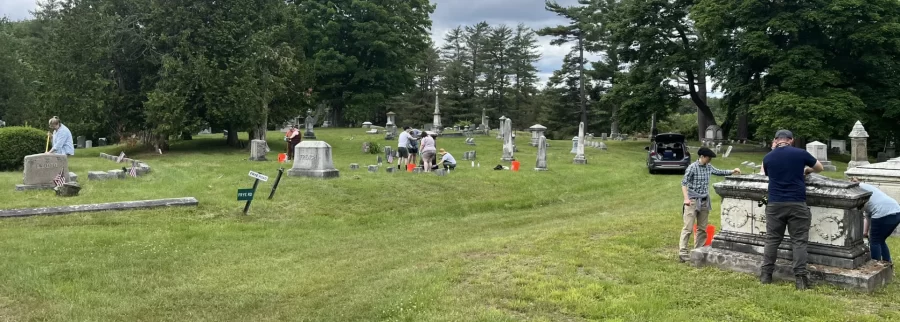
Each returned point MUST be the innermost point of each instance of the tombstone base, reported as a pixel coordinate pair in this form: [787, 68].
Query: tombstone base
[27, 187]
[505, 159]
[321, 174]
[828, 166]
[540, 169]
[260, 158]
[854, 164]
[869, 277]
[580, 161]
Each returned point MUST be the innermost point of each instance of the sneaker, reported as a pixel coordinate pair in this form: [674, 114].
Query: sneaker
[684, 257]
[765, 278]
[802, 282]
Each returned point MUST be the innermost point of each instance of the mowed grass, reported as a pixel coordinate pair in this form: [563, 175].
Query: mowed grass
[578, 242]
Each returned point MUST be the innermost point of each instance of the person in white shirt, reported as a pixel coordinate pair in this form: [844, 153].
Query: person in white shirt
[403, 147]
[447, 160]
[428, 151]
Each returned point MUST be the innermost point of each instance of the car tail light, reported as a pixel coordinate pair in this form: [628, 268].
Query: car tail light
[652, 154]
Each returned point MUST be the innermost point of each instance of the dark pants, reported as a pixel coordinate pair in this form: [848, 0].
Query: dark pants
[797, 218]
[879, 231]
[291, 144]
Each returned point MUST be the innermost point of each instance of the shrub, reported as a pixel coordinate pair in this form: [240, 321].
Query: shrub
[17, 142]
[374, 148]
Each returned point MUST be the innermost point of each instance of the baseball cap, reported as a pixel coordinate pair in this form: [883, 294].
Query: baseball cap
[784, 134]
[706, 152]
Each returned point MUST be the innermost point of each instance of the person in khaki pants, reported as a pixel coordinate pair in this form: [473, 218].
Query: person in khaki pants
[695, 188]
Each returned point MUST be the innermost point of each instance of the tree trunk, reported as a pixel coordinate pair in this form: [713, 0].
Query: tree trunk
[232, 139]
[698, 96]
[743, 129]
[259, 132]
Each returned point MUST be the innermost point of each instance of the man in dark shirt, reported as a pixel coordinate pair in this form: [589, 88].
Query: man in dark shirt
[787, 167]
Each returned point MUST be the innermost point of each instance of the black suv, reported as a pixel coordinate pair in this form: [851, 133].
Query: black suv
[668, 151]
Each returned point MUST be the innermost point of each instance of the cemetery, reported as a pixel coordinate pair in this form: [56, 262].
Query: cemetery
[571, 239]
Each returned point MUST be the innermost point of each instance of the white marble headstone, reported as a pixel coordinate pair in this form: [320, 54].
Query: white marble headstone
[818, 150]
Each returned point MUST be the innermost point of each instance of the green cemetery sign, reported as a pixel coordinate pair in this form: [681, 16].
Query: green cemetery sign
[245, 194]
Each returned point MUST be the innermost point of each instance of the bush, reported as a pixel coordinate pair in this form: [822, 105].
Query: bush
[17, 142]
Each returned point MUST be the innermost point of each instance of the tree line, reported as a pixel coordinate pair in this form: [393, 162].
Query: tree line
[157, 69]
[164, 69]
[814, 67]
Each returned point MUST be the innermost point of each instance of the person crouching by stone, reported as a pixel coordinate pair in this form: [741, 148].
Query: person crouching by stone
[786, 167]
[294, 138]
[62, 138]
[695, 190]
[447, 160]
[882, 215]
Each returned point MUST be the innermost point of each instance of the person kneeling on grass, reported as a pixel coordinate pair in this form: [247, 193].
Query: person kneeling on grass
[695, 188]
[447, 160]
[883, 217]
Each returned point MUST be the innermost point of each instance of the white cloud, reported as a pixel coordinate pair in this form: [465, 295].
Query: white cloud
[17, 9]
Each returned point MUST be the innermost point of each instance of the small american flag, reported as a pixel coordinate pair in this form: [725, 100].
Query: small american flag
[133, 171]
[60, 179]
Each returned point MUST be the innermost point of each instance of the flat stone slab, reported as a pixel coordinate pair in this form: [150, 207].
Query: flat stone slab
[98, 175]
[125, 205]
[26, 187]
[116, 174]
[869, 277]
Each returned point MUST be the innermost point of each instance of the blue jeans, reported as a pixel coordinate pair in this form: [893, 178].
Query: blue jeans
[879, 231]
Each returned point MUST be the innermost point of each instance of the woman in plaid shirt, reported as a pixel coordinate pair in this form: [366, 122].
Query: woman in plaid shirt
[695, 188]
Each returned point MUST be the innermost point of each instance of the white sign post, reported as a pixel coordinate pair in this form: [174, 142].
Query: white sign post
[259, 176]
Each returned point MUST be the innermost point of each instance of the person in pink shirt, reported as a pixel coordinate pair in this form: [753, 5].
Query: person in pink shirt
[428, 150]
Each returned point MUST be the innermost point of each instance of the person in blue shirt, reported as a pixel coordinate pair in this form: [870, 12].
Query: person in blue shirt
[884, 212]
[62, 138]
[786, 167]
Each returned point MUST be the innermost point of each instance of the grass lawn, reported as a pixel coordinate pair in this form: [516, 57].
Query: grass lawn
[588, 242]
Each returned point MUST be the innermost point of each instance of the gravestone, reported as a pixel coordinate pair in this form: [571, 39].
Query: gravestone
[537, 131]
[387, 153]
[574, 145]
[98, 175]
[441, 172]
[718, 148]
[115, 174]
[390, 129]
[41, 169]
[365, 147]
[485, 126]
[390, 169]
[858, 154]
[603, 136]
[354, 166]
[541, 154]
[884, 175]
[508, 145]
[258, 150]
[367, 125]
[313, 159]
[102, 142]
[714, 133]
[88, 144]
[2, 124]
[819, 150]
[500, 134]
[837, 253]
[373, 168]
[881, 157]
[579, 156]
[81, 142]
[602, 146]
[310, 122]
[728, 151]
[436, 124]
[841, 145]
